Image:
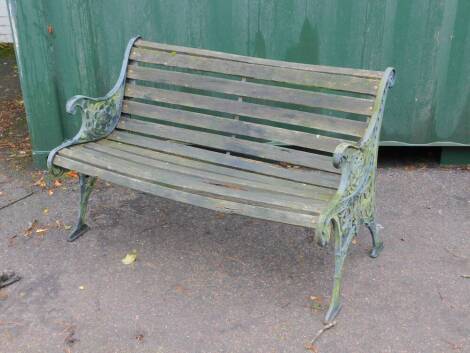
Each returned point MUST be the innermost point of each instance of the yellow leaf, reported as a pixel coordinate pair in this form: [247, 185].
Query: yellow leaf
[67, 227]
[130, 258]
[41, 230]
[45, 211]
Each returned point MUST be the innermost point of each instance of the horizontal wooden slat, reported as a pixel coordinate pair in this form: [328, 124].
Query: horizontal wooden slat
[247, 59]
[193, 183]
[237, 127]
[220, 205]
[261, 150]
[258, 111]
[210, 171]
[309, 176]
[253, 90]
[260, 72]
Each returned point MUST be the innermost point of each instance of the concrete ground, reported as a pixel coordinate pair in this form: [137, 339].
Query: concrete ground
[207, 282]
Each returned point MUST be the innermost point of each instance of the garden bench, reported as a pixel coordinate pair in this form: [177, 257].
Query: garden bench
[275, 140]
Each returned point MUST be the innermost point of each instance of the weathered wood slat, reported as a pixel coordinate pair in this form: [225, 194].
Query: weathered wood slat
[227, 206]
[209, 171]
[258, 111]
[253, 90]
[256, 71]
[268, 62]
[237, 127]
[226, 143]
[192, 183]
[309, 176]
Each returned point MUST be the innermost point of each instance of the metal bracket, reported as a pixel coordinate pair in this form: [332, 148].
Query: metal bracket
[100, 116]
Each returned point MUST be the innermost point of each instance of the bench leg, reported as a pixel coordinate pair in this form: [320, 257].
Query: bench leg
[86, 187]
[377, 243]
[342, 242]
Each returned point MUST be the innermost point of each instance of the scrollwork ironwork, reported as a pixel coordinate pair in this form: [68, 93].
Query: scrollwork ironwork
[100, 116]
[354, 201]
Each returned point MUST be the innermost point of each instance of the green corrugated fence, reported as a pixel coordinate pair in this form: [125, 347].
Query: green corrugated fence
[73, 47]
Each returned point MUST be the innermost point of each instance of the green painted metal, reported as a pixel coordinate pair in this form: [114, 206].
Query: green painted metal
[87, 184]
[73, 47]
[99, 117]
[455, 156]
[354, 202]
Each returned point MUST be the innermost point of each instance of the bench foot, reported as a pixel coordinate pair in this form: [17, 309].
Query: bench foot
[79, 230]
[342, 242]
[333, 311]
[335, 301]
[377, 243]
[87, 184]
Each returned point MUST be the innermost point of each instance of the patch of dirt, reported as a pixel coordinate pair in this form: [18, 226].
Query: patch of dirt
[15, 144]
[10, 83]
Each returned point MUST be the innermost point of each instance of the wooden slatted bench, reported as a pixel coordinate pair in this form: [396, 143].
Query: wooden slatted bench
[280, 141]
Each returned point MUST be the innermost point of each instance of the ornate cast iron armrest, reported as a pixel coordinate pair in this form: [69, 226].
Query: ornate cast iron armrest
[354, 202]
[100, 116]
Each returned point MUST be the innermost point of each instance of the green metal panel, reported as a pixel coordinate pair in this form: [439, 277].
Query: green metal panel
[73, 47]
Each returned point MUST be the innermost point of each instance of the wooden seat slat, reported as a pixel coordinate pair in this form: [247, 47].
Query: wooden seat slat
[298, 175]
[261, 61]
[255, 71]
[193, 183]
[221, 205]
[246, 89]
[227, 143]
[232, 126]
[253, 110]
[209, 171]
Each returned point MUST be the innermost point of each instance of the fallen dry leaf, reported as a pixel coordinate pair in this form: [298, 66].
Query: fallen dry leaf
[130, 258]
[29, 230]
[72, 174]
[45, 211]
[311, 347]
[41, 183]
[50, 192]
[317, 302]
[41, 230]
[57, 183]
[180, 289]
[3, 295]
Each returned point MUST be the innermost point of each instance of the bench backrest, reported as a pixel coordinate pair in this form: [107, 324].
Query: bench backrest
[258, 108]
